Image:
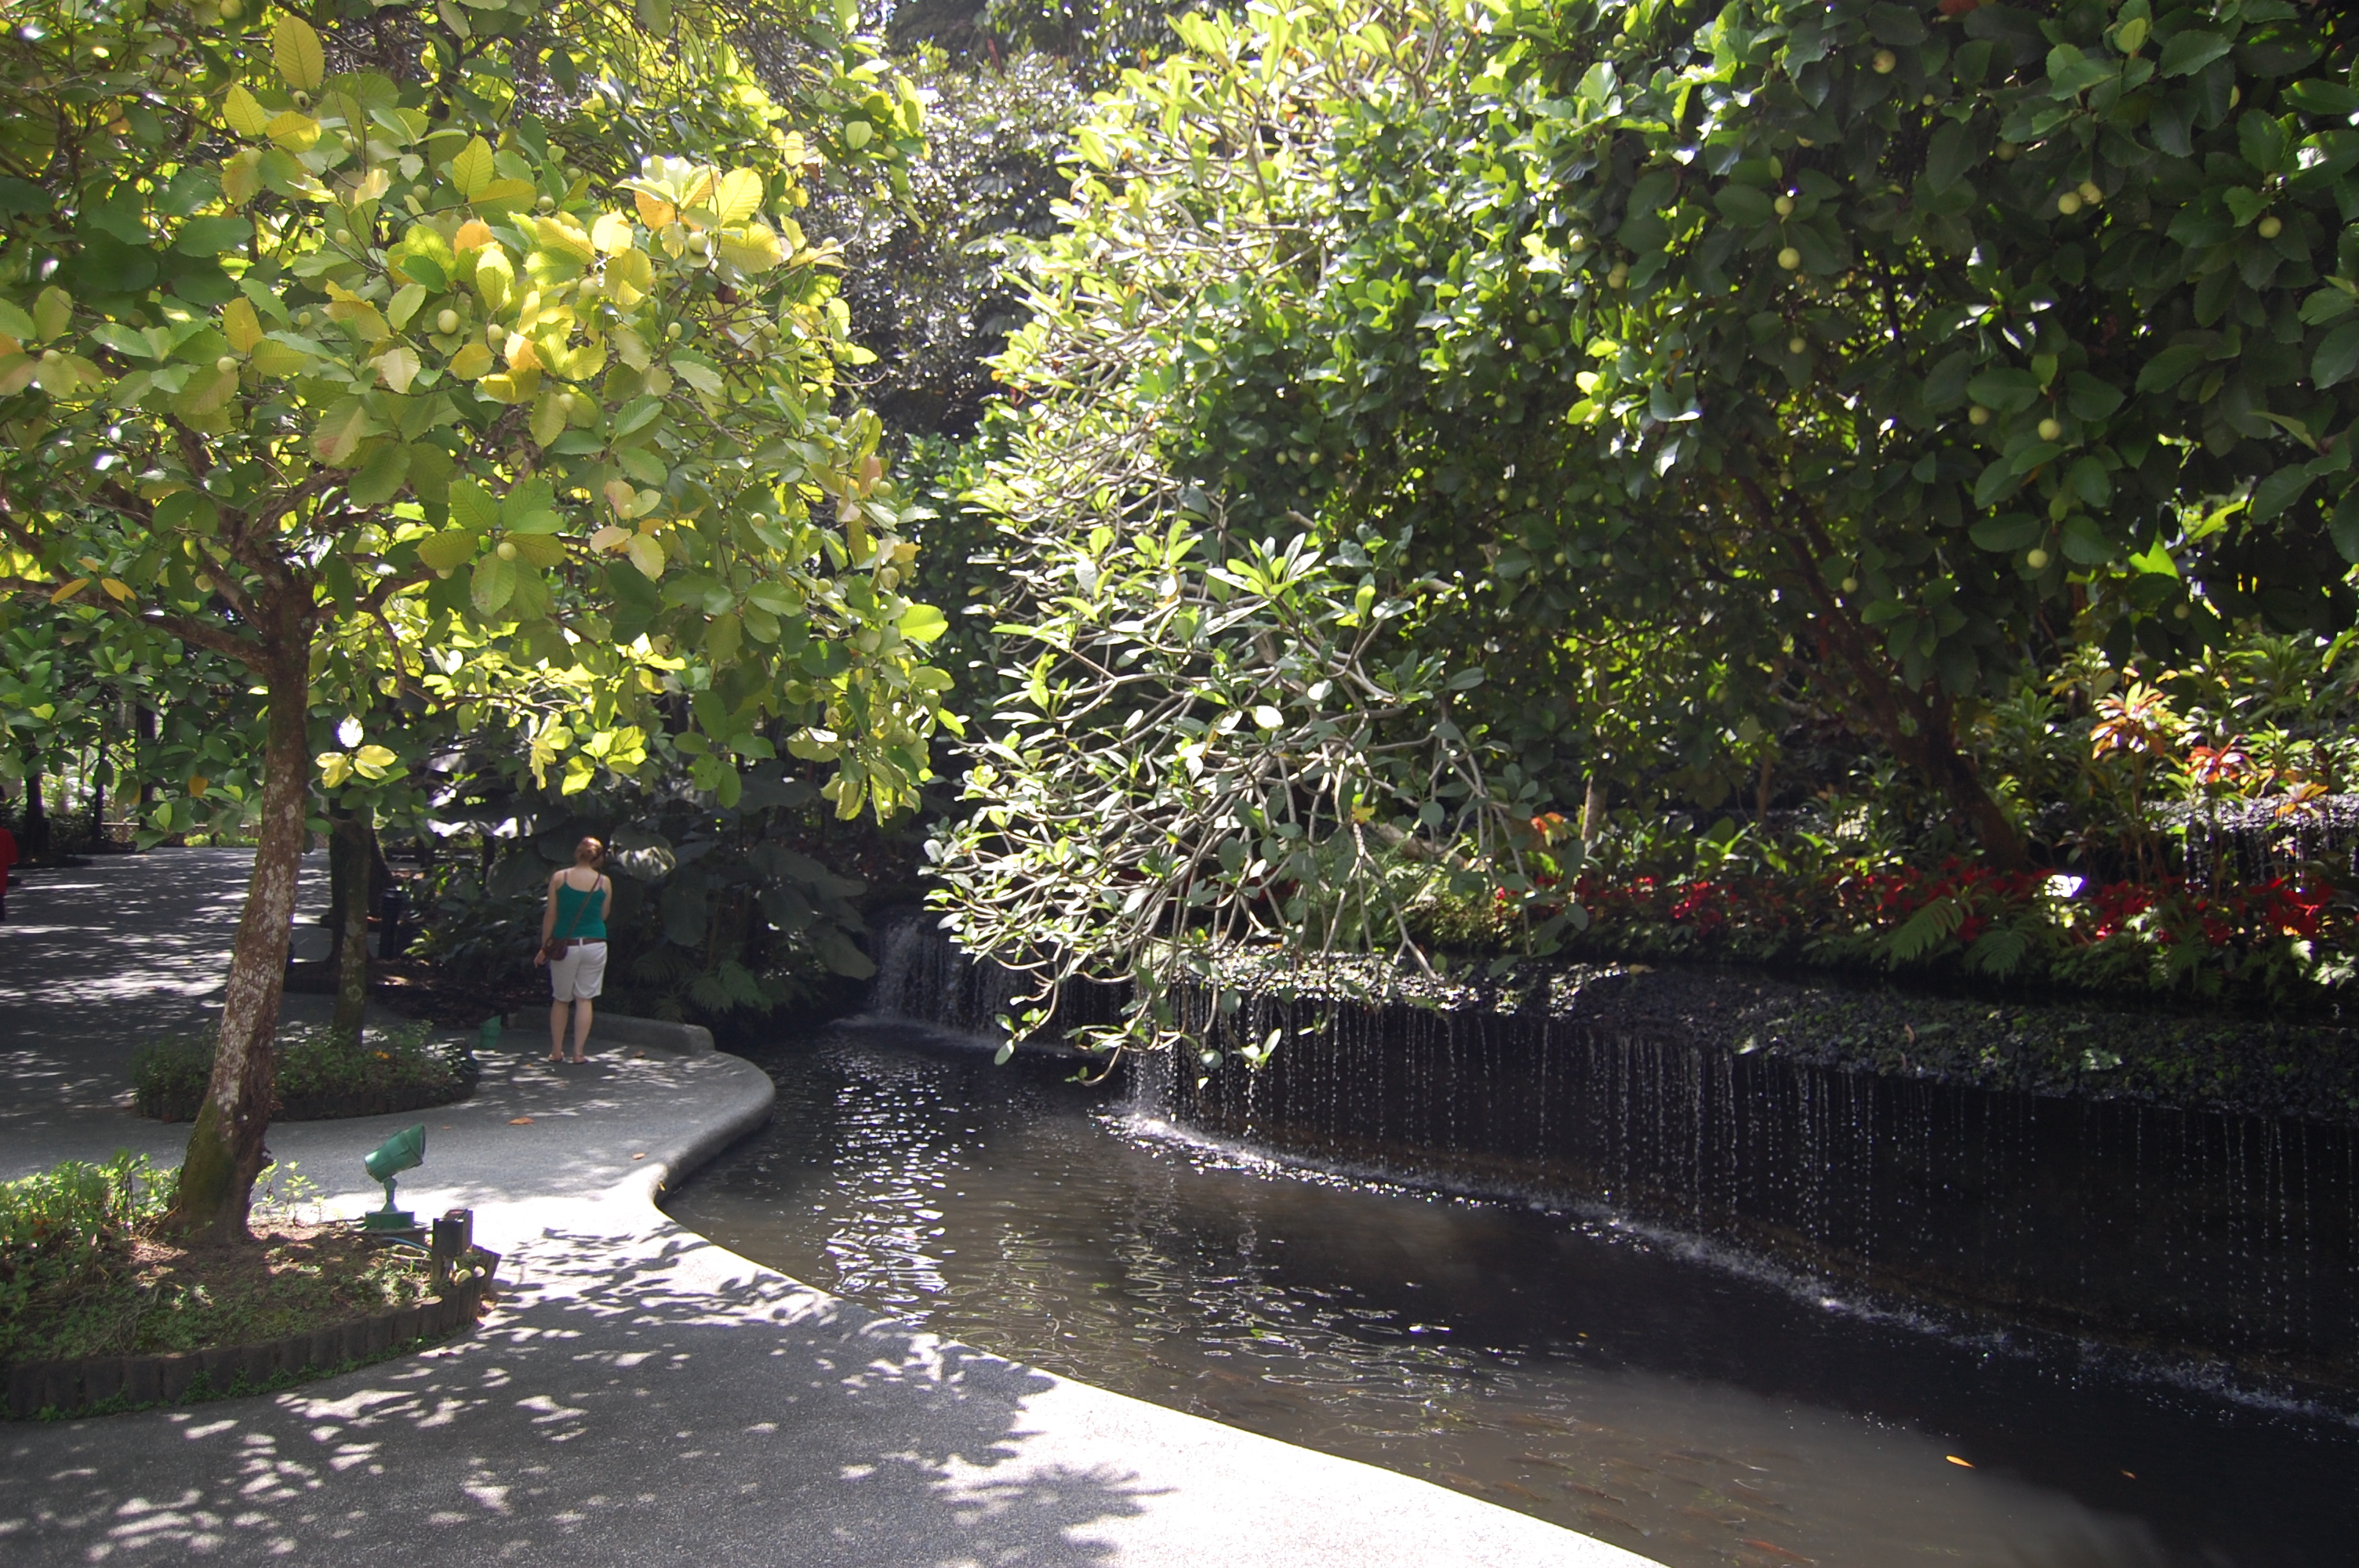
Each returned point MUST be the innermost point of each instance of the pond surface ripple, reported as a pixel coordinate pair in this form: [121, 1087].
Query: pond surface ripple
[1654, 1393]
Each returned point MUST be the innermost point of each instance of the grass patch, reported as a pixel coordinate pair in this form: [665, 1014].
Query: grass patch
[318, 1075]
[84, 1270]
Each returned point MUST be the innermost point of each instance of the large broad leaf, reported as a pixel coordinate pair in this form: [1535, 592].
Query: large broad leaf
[471, 169]
[473, 508]
[342, 430]
[295, 50]
[923, 623]
[380, 478]
[449, 550]
[495, 584]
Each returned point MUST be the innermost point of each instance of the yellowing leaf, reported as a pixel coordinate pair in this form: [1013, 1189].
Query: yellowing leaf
[296, 133]
[198, 784]
[504, 387]
[245, 116]
[547, 418]
[334, 769]
[242, 177]
[654, 213]
[471, 167]
[629, 278]
[613, 234]
[610, 537]
[646, 555]
[399, 367]
[565, 236]
[122, 594]
[373, 760]
[272, 357]
[737, 196]
[471, 361]
[494, 276]
[241, 324]
[295, 50]
[346, 425]
[473, 235]
[17, 374]
[503, 196]
[752, 249]
[521, 353]
[69, 590]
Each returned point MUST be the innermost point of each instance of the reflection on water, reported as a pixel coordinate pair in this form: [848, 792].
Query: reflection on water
[1690, 1411]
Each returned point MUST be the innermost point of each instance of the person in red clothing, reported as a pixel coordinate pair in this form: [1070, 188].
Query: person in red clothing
[8, 860]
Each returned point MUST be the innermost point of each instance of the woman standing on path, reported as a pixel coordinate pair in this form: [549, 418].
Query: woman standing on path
[573, 944]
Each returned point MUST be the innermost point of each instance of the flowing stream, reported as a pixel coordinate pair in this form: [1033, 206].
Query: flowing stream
[1661, 1391]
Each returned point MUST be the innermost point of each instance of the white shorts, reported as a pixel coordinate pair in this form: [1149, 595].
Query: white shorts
[580, 974]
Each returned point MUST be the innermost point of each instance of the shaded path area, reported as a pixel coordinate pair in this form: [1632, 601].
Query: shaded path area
[640, 1395]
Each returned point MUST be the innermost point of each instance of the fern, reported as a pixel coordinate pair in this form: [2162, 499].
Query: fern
[1924, 931]
[1998, 953]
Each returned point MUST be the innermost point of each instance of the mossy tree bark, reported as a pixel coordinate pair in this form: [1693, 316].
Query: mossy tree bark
[226, 1147]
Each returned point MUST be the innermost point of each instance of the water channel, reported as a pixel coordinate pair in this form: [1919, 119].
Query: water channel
[1658, 1391]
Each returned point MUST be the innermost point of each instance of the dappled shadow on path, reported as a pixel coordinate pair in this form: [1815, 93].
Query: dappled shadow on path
[96, 960]
[645, 1397]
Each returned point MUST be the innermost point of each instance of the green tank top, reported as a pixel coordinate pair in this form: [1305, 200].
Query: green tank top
[575, 924]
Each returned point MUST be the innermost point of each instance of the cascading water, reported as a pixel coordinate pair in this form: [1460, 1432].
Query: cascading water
[2194, 1232]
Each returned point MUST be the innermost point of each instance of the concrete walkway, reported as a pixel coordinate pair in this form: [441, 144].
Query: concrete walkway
[641, 1395]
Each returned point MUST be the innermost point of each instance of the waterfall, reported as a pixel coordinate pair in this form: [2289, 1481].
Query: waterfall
[2194, 1232]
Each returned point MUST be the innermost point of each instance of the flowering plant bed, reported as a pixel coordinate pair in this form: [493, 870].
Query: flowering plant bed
[2283, 939]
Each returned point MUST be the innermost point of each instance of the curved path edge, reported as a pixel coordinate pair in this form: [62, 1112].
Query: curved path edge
[640, 1393]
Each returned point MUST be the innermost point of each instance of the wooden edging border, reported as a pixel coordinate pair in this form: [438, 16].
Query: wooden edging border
[98, 1384]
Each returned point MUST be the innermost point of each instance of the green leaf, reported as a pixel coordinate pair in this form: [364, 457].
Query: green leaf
[2190, 52]
[213, 237]
[2337, 356]
[2171, 366]
[2006, 535]
[2344, 528]
[2084, 542]
[342, 430]
[1948, 157]
[2089, 398]
[472, 168]
[449, 550]
[1743, 204]
[295, 50]
[2316, 95]
[495, 584]
[2005, 388]
[2275, 492]
[380, 478]
[923, 623]
[472, 508]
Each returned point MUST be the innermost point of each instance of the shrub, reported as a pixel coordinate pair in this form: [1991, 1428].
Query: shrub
[318, 1075]
[62, 1228]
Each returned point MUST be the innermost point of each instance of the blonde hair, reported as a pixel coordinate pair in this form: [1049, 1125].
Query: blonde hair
[589, 853]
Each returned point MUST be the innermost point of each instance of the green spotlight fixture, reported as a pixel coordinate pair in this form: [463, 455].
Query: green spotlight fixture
[405, 1150]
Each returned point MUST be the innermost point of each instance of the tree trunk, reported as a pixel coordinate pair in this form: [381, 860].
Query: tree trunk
[225, 1151]
[348, 854]
[36, 845]
[1592, 809]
